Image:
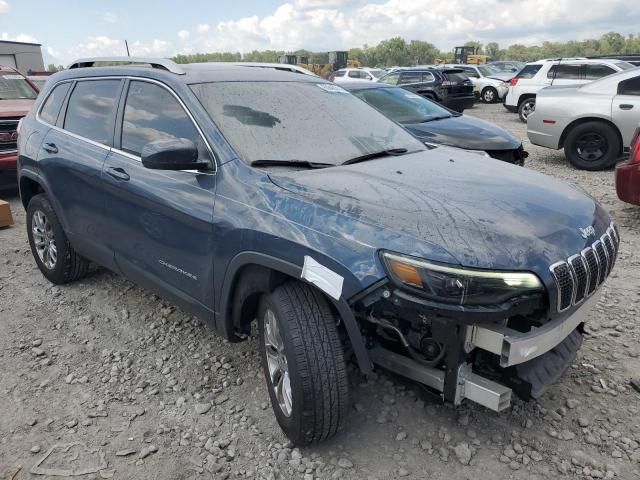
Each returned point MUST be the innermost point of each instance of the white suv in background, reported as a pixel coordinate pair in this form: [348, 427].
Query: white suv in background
[523, 88]
[356, 74]
[489, 82]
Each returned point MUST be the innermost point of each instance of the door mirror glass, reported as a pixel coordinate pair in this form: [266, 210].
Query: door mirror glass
[172, 154]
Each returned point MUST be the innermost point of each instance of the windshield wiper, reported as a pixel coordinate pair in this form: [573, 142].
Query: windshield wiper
[431, 119]
[290, 163]
[392, 152]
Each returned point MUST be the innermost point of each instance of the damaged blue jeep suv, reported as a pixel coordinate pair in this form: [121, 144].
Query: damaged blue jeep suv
[244, 193]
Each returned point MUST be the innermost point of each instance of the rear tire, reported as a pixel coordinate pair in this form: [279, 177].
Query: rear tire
[301, 351]
[592, 146]
[526, 108]
[54, 255]
[489, 95]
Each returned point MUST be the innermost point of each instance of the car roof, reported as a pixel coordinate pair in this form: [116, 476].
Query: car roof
[610, 82]
[193, 73]
[576, 60]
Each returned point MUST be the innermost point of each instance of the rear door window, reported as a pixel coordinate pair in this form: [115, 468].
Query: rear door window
[51, 107]
[595, 71]
[152, 113]
[91, 109]
[410, 77]
[564, 72]
[455, 77]
[630, 86]
[470, 72]
[529, 71]
[354, 74]
[391, 79]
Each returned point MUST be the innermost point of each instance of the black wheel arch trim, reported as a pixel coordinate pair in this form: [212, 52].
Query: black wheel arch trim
[225, 324]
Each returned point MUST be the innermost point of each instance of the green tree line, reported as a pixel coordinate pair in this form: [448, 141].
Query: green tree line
[398, 52]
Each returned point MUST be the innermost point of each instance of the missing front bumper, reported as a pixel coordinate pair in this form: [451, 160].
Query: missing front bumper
[530, 362]
[515, 347]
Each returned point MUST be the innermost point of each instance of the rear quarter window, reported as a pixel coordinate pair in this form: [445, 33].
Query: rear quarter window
[529, 71]
[630, 86]
[51, 107]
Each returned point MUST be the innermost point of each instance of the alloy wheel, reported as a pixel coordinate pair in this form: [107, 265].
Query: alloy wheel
[528, 108]
[44, 240]
[489, 95]
[277, 362]
[591, 147]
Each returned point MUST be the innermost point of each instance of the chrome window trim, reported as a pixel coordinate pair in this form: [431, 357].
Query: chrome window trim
[117, 150]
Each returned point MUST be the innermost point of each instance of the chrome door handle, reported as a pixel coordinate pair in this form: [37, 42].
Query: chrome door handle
[118, 173]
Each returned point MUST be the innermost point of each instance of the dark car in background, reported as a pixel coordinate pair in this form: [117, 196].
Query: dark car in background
[247, 194]
[435, 124]
[17, 95]
[447, 86]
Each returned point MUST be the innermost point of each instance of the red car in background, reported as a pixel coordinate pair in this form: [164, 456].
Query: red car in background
[17, 94]
[628, 174]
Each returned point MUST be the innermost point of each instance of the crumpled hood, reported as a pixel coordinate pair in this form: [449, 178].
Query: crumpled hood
[503, 77]
[465, 132]
[15, 108]
[483, 212]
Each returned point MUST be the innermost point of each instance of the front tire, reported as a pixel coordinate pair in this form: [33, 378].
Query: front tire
[489, 95]
[526, 108]
[303, 362]
[54, 255]
[592, 146]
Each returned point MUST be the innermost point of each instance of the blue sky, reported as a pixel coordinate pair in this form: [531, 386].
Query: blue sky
[76, 28]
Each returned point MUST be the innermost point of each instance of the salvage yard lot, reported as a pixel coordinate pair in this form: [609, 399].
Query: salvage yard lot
[146, 391]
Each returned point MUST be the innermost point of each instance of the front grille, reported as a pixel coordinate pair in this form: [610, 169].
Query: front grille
[582, 274]
[8, 138]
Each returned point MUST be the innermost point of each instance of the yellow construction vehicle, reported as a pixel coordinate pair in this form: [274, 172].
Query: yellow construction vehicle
[468, 54]
[337, 60]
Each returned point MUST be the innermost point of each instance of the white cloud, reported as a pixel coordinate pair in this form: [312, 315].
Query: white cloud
[4, 6]
[110, 18]
[323, 4]
[22, 37]
[342, 24]
[323, 25]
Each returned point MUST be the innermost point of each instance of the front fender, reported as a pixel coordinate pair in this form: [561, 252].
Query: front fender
[225, 323]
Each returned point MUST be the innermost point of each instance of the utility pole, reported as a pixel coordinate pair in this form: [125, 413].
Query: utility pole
[126, 44]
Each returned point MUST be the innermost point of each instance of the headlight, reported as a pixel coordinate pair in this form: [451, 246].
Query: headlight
[460, 286]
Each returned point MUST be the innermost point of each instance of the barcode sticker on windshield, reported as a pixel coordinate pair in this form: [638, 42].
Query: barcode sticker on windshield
[12, 77]
[328, 87]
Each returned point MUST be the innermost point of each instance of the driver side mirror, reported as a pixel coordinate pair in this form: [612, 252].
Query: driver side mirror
[172, 154]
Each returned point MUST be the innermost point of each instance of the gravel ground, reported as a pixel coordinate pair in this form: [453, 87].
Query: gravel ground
[105, 378]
